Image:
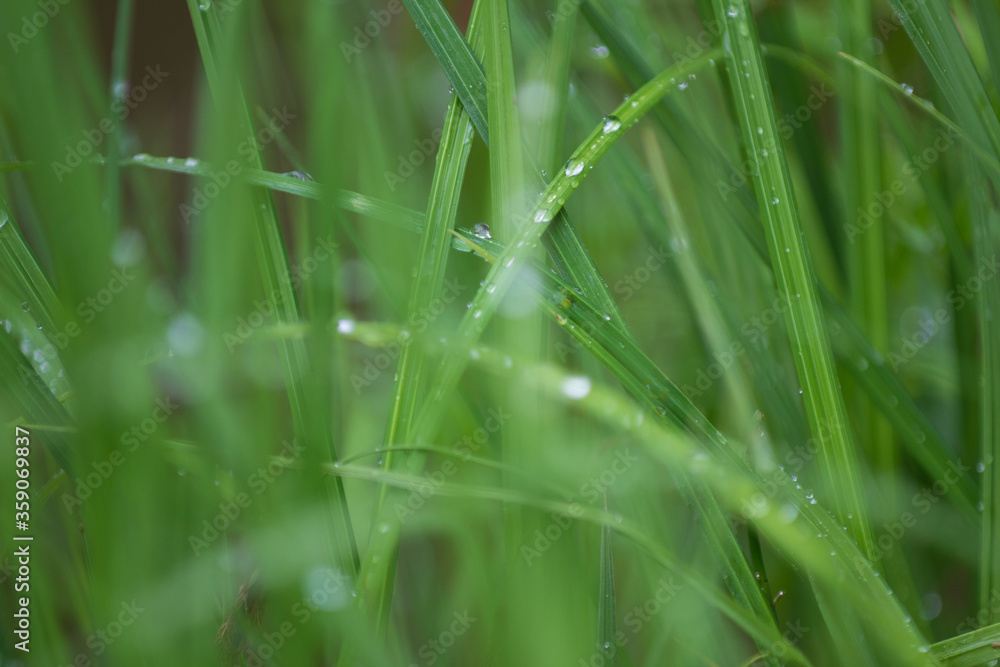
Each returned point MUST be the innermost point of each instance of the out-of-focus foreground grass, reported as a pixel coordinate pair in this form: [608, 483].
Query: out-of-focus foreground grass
[589, 332]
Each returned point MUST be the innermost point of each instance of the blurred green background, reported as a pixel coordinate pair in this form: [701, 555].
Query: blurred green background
[289, 404]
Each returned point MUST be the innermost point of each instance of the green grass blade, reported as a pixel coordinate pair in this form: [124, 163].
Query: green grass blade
[277, 279]
[988, 17]
[442, 206]
[972, 649]
[792, 268]
[119, 72]
[933, 31]
[456, 57]
[606, 621]
[982, 150]
[557, 70]
[939, 43]
[29, 398]
[20, 264]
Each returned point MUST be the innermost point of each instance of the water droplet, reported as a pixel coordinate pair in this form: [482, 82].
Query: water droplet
[611, 124]
[184, 334]
[191, 162]
[732, 12]
[129, 247]
[327, 588]
[25, 306]
[574, 167]
[775, 201]
[301, 175]
[576, 387]
[482, 230]
[788, 513]
[599, 52]
[345, 326]
[980, 467]
[204, 5]
[543, 215]
[907, 88]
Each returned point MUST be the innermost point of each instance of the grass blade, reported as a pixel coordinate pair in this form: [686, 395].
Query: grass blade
[792, 268]
[455, 56]
[277, 278]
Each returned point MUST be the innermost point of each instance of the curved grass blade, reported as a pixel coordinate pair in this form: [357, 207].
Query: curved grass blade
[568, 247]
[924, 442]
[987, 157]
[740, 616]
